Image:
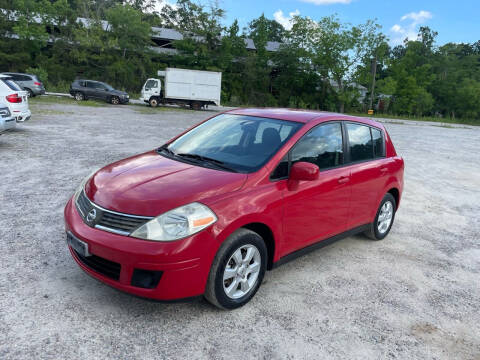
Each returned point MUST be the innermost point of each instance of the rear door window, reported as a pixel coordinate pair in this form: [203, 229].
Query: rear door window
[360, 142]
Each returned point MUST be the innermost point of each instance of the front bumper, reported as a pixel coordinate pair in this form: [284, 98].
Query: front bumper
[22, 116]
[185, 264]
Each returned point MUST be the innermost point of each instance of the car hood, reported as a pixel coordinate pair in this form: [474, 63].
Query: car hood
[118, 92]
[151, 184]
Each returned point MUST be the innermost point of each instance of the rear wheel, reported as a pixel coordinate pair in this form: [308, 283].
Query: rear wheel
[153, 102]
[79, 96]
[196, 105]
[115, 100]
[383, 222]
[237, 270]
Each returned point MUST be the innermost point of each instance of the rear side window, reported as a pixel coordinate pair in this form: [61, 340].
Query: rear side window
[360, 142]
[11, 84]
[322, 146]
[378, 143]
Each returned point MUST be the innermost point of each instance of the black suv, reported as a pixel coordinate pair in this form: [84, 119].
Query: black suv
[90, 89]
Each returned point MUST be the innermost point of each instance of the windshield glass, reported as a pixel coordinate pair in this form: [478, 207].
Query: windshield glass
[241, 143]
[108, 87]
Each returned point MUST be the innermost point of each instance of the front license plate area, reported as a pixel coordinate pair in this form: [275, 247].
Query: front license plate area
[78, 245]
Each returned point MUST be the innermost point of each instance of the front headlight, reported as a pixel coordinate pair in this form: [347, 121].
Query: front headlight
[177, 223]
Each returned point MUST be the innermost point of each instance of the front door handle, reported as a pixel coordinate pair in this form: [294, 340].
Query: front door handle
[383, 170]
[343, 180]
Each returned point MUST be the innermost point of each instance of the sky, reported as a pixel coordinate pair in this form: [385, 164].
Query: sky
[455, 21]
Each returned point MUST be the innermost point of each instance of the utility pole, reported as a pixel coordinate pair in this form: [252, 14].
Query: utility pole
[374, 75]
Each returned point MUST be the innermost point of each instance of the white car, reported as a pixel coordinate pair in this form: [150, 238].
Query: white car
[15, 98]
[7, 121]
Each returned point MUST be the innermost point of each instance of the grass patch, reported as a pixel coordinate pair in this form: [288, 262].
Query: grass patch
[447, 120]
[50, 99]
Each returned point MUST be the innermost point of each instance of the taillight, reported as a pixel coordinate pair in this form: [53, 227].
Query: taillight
[37, 83]
[14, 98]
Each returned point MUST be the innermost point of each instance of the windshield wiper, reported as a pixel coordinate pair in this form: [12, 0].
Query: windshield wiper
[215, 162]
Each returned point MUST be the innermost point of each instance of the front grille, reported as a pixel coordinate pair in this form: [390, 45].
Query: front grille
[84, 204]
[120, 222]
[107, 220]
[103, 266]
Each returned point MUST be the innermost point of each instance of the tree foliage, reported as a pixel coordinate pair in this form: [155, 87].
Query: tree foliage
[319, 64]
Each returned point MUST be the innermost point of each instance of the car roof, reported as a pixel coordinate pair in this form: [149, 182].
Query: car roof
[300, 115]
[16, 73]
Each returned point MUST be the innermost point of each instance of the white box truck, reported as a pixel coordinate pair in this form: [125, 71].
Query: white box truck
[183, 87]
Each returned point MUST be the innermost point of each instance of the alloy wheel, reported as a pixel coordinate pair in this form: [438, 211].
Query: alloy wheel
[241, 272]
[385, 217]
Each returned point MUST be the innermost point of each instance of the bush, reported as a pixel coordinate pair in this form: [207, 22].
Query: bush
[40, 72]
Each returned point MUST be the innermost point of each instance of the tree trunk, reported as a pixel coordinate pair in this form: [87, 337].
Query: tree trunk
[342, 99]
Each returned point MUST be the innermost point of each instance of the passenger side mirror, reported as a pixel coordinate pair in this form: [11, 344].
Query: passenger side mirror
[304, 171]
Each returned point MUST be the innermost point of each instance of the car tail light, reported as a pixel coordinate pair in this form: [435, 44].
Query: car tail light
[14, 98]
[37, 83]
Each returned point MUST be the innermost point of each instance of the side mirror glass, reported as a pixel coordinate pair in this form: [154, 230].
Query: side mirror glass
[304, 171]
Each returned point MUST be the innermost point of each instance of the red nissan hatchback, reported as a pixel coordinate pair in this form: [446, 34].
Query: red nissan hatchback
[211, 210]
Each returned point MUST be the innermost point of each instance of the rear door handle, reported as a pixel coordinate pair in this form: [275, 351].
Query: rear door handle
[384, 170]
[343, 180]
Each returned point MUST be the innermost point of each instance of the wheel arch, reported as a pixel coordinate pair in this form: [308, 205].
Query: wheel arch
[267, 235]
[396, 195]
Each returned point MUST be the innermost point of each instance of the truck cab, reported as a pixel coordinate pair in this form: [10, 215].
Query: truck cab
[152, 92]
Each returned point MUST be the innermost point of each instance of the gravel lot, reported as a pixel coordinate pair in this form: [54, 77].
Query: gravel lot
[414, 295]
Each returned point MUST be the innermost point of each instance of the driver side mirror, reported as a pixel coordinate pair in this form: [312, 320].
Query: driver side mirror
[304, 171]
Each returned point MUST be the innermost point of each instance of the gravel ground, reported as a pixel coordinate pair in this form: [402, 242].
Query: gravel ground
[414, 295]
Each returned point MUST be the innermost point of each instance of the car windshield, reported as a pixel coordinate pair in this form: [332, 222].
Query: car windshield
[107, 86]
[235, 142]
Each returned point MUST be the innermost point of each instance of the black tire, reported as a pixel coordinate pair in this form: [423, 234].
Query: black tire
[214, 291]
[153, 102]
[196, 105]
[374, 232]
[79, 96]
[30, 93]
[115, 100]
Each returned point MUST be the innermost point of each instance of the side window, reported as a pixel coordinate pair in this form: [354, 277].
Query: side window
[360, 140]
[90, 84]
[378, 143]
[151, 84]
[322, 146]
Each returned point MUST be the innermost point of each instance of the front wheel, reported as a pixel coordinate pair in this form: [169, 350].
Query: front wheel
[79, 96]
[237, 270]
[30, 93]
[153, 102]
[383, 222]
[115, 100]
